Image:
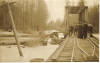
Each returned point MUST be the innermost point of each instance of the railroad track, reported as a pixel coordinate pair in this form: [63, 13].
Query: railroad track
[95, 45]
[95, 41]
[67, 53]
[71, 51]
[58, 51]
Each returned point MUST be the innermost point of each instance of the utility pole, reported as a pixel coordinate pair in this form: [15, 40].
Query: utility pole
[67, 16]
[65, 21]
[14, 30]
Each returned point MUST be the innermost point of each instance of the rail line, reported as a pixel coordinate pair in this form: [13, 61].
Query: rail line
[73, 52]
[95, 47]
[55, 55]
[81, 48]
[93, 41]
[67, 52]
[82, 51]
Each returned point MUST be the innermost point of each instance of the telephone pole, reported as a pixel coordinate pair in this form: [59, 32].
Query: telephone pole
[66, 17]
[14, 30]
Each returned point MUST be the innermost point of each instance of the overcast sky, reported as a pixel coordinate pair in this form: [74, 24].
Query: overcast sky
[56, 8]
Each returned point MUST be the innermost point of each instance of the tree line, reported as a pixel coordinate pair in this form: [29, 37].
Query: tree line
[29, 15]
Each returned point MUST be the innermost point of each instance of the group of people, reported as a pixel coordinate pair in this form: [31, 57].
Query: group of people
[81, 30]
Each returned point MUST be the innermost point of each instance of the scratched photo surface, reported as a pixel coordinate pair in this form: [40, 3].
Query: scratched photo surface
[49, 30]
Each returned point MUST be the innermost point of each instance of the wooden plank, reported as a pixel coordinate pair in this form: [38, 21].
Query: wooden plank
[76, 9]
[58, 50]
[14, 30]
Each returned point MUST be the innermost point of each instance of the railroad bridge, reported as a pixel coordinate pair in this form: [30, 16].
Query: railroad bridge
[75, 14]
[72, 48]
[75, 49]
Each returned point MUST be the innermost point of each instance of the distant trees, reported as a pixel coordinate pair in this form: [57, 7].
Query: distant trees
[29, 15]
[42, 15]
[94, 17]
[57, 25]
[93, 14]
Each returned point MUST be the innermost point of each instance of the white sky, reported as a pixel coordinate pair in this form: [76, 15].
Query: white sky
[56, 8]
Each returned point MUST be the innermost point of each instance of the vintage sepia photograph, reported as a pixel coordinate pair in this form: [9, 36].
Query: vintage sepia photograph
[49, 30]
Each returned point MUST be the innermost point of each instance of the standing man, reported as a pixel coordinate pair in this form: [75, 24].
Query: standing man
[85, 30]
[70, 30]
[80, 31]
[90, 29]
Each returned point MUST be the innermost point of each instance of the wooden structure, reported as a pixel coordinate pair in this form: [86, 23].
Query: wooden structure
[82, 11]
[7, 5]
